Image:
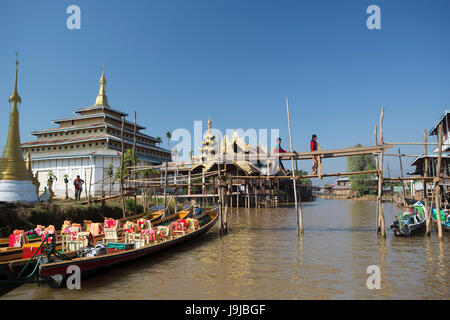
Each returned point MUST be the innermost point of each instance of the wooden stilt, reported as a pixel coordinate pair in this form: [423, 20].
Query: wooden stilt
[403, 184]
[437, 182]
[122, 164]
[165, 184]
[298, 212]
[425, 187]
[380, 179]
[134, 162]
[378, 170]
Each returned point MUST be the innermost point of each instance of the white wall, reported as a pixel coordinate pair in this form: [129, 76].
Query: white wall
[78, 166]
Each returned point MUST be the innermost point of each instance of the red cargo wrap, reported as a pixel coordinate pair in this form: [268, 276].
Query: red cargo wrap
[30, 248]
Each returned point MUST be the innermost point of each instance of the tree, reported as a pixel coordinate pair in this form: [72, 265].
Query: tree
[303, 173]
[159, 139]
[66, 181]
[360, 183]
[147, 174]
[169, 136]
[127, 162]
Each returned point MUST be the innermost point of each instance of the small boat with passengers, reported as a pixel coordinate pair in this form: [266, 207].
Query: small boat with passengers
[410, 222]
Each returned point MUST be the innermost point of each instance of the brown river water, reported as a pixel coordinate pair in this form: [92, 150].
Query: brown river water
[261, 258]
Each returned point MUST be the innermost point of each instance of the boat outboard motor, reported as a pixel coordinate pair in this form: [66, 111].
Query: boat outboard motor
[406, 230]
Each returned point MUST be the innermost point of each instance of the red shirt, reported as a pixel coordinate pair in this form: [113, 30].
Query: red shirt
[279, 149]
[77, 183]
[313, 145]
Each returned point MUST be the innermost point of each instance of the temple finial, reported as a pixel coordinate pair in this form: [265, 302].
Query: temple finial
[102, 100]
[15, 96]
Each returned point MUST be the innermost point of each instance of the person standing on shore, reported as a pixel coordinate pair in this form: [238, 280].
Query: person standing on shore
[314, 146]
[78, 187]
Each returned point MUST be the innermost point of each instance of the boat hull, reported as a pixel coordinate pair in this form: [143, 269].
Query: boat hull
[92, 264]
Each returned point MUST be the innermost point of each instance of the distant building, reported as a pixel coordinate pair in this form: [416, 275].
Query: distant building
[343, 187]
[86, 144]
[431, 159]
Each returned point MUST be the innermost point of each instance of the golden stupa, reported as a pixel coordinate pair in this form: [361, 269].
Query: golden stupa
[15, 180]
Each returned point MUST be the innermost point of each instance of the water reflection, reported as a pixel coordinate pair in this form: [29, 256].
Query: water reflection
[262, 258]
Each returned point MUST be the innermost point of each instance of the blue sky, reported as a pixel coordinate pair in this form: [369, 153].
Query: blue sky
[174, 61]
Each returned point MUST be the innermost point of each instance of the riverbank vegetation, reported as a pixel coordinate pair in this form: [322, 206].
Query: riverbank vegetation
[362, 184]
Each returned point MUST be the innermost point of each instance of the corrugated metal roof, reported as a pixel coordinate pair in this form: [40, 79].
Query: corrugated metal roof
[433, 130]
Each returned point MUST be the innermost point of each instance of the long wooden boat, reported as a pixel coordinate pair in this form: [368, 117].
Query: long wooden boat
[7, 254]
[410, 222]
[444, 222]
[56, 271]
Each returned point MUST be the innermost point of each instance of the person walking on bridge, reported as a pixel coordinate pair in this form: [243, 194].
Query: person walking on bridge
[314, 146]
[279, 149]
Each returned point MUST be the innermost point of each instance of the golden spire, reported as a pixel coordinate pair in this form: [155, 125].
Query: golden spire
[15, 96]
[102, 100]
[12, 165]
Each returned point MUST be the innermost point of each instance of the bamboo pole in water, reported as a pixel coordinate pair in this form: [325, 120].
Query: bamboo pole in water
[401, 173]
[298, 212]
[377, 164]
[425, 187]
[380, 179]
[165, 184]
[436, 184]
[134, 161]
[121, 166]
